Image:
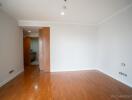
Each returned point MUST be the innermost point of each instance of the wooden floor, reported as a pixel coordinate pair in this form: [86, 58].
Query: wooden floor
[80, 85]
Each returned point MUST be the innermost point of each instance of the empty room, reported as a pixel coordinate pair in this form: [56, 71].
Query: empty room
[65, 49]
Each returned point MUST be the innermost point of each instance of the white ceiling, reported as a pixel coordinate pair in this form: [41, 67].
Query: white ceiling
[79, 11]
[33, 30]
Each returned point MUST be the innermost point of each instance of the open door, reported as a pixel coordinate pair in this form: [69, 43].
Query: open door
[26, 44]
[44, 49]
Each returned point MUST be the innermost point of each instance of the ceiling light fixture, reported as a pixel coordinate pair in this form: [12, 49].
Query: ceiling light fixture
[62, 13]
[64, 7]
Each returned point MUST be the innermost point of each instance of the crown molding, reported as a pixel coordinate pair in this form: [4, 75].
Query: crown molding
[115, 14]
[47, 23]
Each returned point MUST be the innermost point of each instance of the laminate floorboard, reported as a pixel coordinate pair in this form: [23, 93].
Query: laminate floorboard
[33, 84]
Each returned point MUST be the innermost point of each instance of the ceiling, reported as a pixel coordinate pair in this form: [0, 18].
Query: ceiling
[33, 30]
[79, 11]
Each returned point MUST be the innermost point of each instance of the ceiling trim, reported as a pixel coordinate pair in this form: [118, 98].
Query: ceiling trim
[115, 14]
[46, 23]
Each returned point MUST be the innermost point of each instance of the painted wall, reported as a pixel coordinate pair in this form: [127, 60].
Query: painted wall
[73, 47]
[10, 48]
[115, 46]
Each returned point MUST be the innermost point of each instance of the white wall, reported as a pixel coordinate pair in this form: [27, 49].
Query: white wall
[115, 46]
[73, 47]
[10, 48]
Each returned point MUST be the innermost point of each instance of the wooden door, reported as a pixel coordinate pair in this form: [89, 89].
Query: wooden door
[44, 47]
[26, 46]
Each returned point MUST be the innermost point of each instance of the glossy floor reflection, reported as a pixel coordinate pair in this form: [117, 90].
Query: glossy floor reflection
[80, 85]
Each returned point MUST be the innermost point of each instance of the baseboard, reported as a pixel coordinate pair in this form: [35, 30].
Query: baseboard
[10, 78]
[64, 69]
[127, 84]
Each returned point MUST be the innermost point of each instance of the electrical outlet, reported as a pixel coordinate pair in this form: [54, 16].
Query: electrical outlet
[123, 74]
[123, 64]
[11, 71]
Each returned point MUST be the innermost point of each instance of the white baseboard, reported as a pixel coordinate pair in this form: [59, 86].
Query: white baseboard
[64, 69]
[10, 78]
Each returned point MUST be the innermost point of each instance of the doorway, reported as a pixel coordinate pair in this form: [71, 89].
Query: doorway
[31, 49]
[36, 47]
[34, 51]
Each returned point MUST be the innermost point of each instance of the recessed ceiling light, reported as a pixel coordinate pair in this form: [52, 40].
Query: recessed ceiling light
[62, 13]
[29, 31]
[64, 8]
